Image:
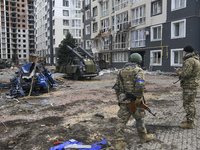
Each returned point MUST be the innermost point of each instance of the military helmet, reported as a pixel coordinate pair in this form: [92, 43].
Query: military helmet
[136, 57]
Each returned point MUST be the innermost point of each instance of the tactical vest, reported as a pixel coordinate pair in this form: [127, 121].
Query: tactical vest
[128, 75]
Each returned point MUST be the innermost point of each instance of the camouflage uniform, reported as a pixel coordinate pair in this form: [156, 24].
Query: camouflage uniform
[189, 82]
[134, 82]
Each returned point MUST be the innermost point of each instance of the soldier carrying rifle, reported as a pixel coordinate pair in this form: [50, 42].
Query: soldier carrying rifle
[129, 89]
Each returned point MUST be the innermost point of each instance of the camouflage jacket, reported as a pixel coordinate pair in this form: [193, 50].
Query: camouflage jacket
[190, 71]
[132, 80]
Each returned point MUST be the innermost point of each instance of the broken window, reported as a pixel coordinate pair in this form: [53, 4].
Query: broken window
[138, 38]
[156, 59]
[138, 16]
[121, 22]
[105, 25]
[105, 43]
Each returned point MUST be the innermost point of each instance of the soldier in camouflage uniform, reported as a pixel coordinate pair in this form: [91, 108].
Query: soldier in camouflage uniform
[189, 75]
[130, 80]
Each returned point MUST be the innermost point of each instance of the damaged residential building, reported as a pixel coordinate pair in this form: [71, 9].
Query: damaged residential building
[157, 29]
[16, 30]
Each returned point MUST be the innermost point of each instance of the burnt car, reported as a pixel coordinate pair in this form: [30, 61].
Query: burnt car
[22, 82]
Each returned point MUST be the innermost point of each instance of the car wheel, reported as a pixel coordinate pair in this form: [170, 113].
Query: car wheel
[75, 76]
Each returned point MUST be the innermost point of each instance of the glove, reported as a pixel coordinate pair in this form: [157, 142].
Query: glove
[138, 101]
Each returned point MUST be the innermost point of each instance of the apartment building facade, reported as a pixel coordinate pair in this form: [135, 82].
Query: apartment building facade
[54, 19]
[157, 29]
[17, 29]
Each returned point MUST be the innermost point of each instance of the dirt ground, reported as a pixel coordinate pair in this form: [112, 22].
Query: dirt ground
[84, 110]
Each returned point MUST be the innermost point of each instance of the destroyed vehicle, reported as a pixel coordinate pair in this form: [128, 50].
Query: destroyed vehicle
[80, 66]
[22, 82]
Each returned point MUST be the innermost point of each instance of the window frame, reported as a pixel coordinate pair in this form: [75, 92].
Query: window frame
[138, 40]
[173, 36]
[180, 7]
[152, 32]
[153, 7]
[152, 57]
[179, 57]
[87, 29]
[120, 57]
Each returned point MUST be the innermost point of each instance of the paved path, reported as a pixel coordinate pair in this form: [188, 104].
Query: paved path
[168, 136]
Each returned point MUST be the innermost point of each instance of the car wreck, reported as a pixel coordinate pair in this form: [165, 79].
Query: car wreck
[37, 78]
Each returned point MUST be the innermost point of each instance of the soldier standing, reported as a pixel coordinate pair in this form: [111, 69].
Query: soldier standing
[130, 81]
[189, 82]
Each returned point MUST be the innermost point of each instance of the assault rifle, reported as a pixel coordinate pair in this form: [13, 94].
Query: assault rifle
[132, 97]
[142, 104]
[177, 80]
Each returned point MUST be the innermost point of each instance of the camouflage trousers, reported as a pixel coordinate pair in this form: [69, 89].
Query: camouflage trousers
[189, 96]
[124, 115]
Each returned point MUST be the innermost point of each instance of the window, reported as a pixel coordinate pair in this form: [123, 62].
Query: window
[95, 27]
[119, 4]
[88, 44]
[120, 57]
[136, 1]
[95, 11]
[105, 9]
[76, 33]
[87, 15]
[65, 31]
[87, 2]
[76, 23]
[156, 8]
[138, 38]
[156, 33]
[178, 29]
[87, 31]
[121, 22]
[104, 25]
[178, 4]
[138, 16]
[65, 12]
[121, 40]
[177, 57]
[66, 3]
[155, 58]
[106, 57]
[66, 22]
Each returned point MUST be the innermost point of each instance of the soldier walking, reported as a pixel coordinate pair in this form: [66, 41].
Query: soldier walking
[189, 75]
[129, 89]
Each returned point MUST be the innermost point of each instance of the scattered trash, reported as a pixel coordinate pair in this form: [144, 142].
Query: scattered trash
[98, 115]
[44, 101]
[4, 126]
[75, 144]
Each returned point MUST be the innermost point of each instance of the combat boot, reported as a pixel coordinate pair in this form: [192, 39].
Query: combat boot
[120, 145]
[187, 125]
[146, 138]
